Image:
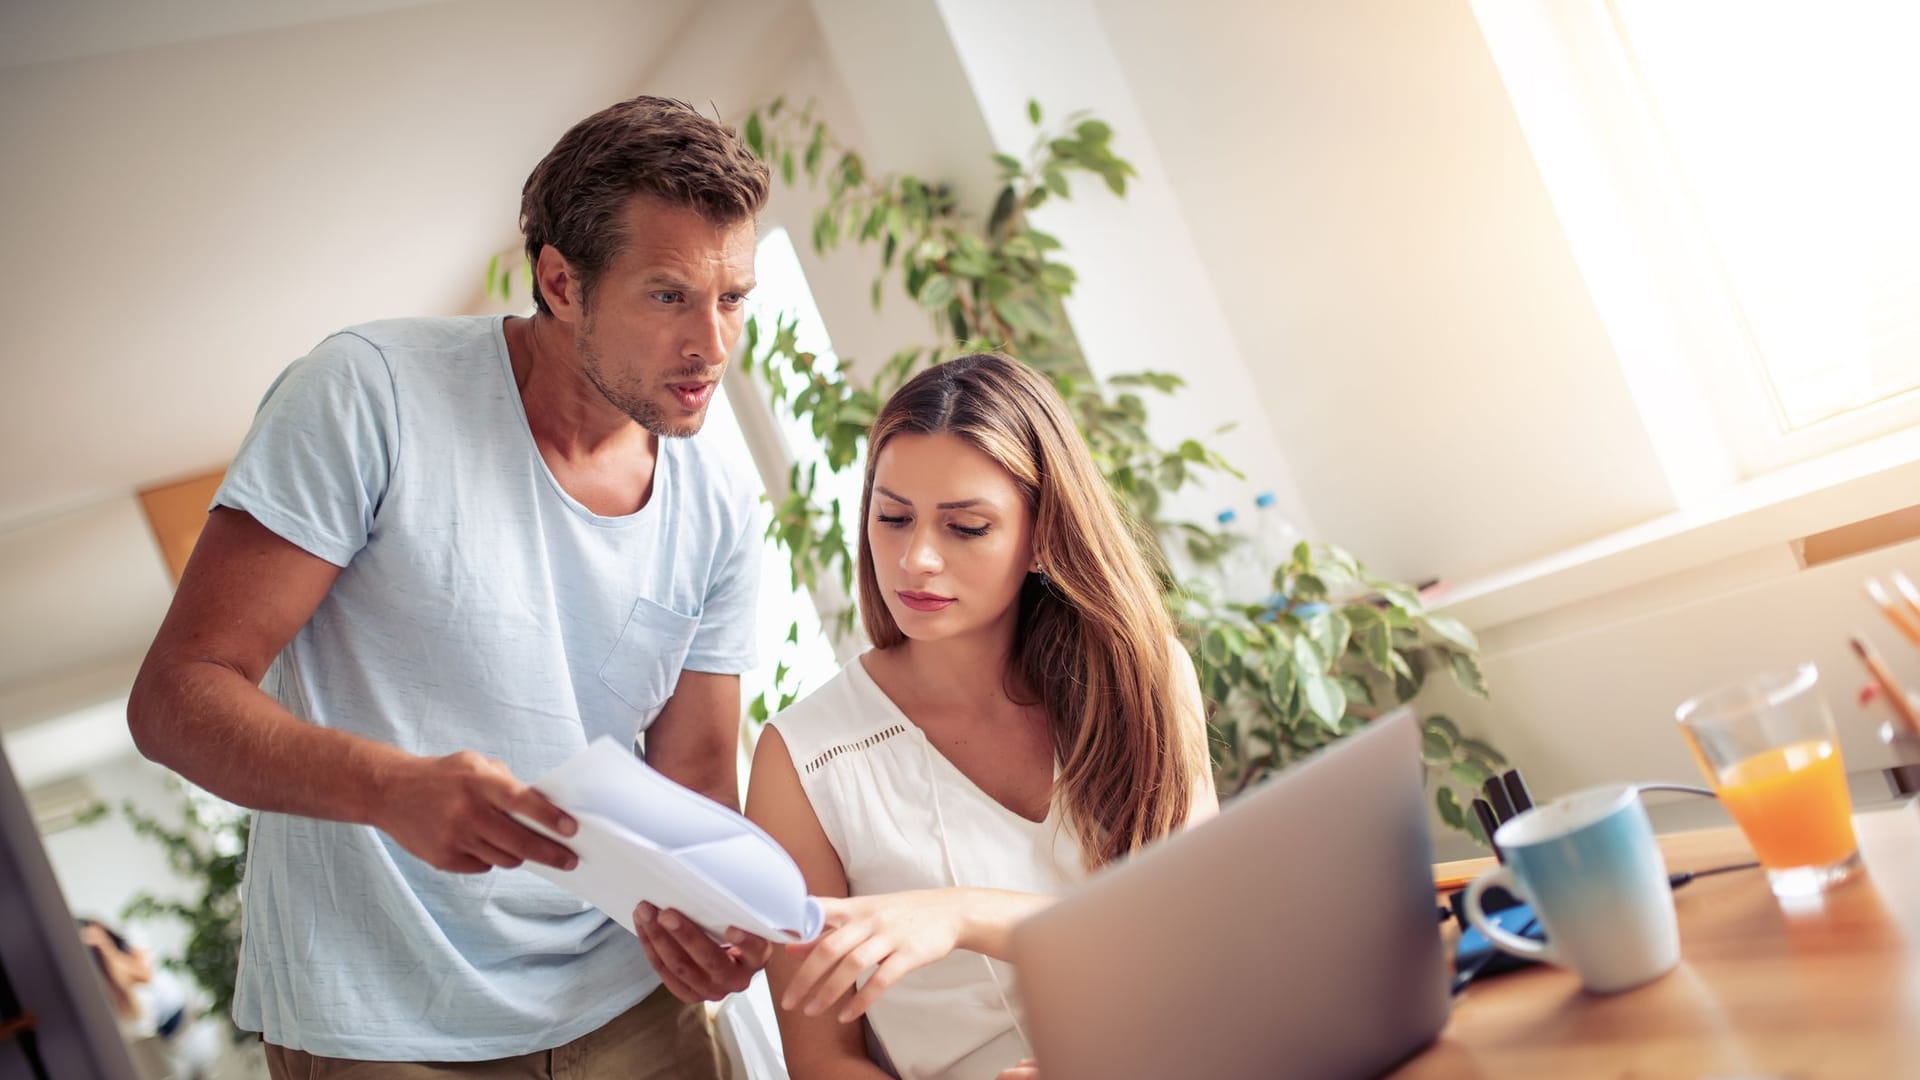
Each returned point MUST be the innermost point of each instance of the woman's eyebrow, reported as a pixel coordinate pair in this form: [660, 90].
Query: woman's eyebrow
[960, 504]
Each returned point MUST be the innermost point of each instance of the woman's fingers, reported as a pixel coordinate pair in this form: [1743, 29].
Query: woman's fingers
[825, 954]
[890, 971]
[838, 982]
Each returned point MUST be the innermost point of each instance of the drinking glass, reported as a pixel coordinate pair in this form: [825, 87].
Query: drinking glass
[1768, 747]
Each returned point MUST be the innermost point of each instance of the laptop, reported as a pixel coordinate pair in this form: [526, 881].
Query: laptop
[1292, 936]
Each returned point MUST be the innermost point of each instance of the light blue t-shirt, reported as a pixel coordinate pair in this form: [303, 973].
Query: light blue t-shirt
[480, 608]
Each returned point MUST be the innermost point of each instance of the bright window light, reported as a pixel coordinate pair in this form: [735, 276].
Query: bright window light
[781, 290]
[1792, 124]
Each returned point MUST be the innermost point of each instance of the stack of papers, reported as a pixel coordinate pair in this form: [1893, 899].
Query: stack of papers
[644, 837]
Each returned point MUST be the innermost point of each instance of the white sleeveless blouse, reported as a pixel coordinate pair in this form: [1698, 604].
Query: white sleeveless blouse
[901, 816]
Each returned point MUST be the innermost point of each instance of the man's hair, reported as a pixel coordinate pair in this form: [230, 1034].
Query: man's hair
[650, 146]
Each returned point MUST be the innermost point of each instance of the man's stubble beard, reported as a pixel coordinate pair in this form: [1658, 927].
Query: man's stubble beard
[639, 408]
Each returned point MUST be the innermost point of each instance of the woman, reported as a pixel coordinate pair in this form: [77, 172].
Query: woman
[1024, 716]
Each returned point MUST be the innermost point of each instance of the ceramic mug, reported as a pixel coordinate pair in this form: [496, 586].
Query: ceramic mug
[1593, 874]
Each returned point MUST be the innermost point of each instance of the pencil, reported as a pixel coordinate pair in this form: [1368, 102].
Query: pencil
[1896, 697]
[1908, 593]
[1902, 618]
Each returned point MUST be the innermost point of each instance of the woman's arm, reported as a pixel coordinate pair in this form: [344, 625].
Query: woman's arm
[1186, 692]
[895, 933]
[817, 1047]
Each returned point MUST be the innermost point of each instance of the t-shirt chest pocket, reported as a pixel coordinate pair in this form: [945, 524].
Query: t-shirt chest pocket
[645, 663]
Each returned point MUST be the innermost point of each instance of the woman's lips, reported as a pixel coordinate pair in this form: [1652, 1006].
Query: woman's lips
[920, 601]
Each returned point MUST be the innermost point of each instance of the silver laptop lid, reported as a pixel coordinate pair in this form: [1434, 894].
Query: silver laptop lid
[1293, 935]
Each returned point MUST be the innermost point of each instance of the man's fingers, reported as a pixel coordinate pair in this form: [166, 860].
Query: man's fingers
[529, 803]
[462, 863]
[526, 845]
[754, 951]
[653, 944]
[710, 956]
[492, 854]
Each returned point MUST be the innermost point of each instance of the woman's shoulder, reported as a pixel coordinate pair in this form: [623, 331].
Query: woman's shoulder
[845, 710]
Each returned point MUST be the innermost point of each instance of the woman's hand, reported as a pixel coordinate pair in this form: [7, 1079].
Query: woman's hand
[893, 932]
[1026, 1070]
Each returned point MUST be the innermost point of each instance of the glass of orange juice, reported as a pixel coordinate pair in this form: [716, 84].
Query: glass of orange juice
[1768, 747]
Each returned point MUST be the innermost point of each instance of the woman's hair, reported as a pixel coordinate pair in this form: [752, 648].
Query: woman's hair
[1093, 639]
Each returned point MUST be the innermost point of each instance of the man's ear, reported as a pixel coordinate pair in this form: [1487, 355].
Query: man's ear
[559, 286]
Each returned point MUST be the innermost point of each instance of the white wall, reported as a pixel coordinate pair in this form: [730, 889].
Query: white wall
[101, 867]
[1358, 185]
[1585, 694]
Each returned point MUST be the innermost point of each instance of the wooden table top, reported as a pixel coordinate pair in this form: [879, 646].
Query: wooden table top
[1828, 987]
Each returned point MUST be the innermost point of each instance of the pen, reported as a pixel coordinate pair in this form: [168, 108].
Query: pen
[1896, 697]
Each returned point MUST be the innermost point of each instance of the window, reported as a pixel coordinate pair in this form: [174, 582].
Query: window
[745, 418]
[1737, 180]
[1791, 126]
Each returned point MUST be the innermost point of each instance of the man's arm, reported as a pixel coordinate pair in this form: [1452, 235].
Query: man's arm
[694, 741]
[196, 707]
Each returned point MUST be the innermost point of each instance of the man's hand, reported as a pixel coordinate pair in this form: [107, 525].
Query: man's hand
[451, 812]
[692, 965]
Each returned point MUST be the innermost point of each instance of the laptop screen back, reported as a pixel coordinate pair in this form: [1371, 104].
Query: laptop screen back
[1293, 935]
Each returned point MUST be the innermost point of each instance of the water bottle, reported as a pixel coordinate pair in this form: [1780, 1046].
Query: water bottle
[1274, 539]
[1274, 536]
[1239, 576]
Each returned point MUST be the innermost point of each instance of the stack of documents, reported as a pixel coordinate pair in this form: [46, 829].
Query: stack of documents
[644, 837]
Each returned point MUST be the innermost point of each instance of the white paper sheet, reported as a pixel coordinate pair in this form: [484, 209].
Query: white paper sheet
[644, 837]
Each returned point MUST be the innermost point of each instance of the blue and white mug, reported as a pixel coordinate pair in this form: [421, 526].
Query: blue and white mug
[1589, 866]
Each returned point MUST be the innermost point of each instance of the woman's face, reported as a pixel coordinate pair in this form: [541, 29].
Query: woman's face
[951, 538]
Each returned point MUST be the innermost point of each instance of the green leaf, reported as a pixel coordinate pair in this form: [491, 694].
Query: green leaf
[1466, 672]
[1449, 806]
[1452, 631]
[754, 136]
[1033, 110]
[1094, 131]
[1376, 643]
[1434, 749]
[1009, 163]
[1445, 727]
[815, 147]
[1471, 773]
[936, 293]
[1482, 752]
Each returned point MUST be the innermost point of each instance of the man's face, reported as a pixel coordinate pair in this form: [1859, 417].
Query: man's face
[664, 316]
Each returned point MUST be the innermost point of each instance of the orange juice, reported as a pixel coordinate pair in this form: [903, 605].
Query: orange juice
[1792, 803]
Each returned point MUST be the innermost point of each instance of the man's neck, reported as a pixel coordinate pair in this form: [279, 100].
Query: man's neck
[568, 416]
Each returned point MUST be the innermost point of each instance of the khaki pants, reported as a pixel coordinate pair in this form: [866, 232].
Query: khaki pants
[662, 1038]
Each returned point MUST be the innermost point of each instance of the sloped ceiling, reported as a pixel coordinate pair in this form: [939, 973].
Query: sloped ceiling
[192, 201]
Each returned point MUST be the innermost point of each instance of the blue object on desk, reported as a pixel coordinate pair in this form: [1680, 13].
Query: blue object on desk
[1476, 954]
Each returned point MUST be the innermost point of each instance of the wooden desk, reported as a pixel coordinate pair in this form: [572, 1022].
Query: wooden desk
[1823, 988]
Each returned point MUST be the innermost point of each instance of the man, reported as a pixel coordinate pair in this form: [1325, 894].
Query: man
[457, 550]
